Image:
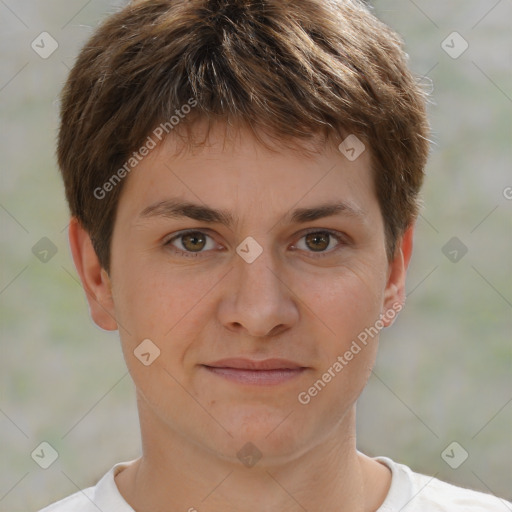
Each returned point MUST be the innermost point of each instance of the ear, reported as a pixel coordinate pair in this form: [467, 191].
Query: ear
[394, 294]
[95, 280]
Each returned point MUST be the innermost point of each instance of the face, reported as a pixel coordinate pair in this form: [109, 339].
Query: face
[270, 259]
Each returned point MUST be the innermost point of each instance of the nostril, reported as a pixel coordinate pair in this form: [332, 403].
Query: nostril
[276, 330]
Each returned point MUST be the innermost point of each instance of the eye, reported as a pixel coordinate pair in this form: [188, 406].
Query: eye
[319, 242]
[191, 242]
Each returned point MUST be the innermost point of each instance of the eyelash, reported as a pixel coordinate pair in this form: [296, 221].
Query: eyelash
[337, 236]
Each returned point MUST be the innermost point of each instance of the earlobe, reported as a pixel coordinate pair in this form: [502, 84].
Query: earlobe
[394, 294]
[94, 278]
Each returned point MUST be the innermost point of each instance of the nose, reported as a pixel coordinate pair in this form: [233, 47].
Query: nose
[258, 301]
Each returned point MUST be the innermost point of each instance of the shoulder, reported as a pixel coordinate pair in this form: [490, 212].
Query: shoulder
[78, 502]
[103, 496]
[443, 496]
[414, 492]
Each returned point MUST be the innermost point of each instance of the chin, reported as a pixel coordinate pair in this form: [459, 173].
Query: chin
[260, 432]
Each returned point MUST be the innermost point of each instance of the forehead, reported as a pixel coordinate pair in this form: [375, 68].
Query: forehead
[235, 168]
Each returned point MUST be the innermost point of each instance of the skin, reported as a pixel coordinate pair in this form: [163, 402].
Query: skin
[303, 299]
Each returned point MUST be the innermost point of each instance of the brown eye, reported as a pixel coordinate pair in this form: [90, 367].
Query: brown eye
[318, 241]
[322, 243]
[191, 243]
[194, 241]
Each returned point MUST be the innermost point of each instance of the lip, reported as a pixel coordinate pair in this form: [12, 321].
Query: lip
[260, 373]
[253, 364]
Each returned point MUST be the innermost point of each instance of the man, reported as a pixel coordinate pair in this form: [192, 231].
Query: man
[243, 179]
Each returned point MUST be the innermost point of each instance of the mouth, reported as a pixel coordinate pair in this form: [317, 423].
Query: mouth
[259, 373]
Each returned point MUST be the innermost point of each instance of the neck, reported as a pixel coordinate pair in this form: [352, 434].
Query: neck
[175, 473]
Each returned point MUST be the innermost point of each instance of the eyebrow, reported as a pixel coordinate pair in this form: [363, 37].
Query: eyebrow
[177, 209]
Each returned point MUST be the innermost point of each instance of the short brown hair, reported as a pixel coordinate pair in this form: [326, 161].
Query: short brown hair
[288, 68]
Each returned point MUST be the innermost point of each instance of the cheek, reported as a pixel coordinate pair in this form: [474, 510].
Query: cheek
[344, 311]
[344, 302]
[160, 304]
[162, 307]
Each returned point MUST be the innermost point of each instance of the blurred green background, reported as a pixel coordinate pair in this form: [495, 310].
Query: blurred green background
[444, 372]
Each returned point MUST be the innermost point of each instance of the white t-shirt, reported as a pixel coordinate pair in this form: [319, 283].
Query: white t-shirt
[409, 492]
